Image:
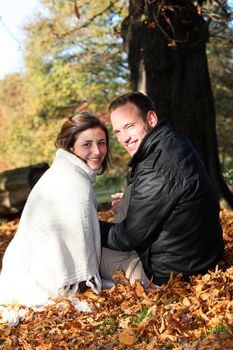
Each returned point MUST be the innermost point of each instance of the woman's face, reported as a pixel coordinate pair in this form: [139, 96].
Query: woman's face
[91, 147]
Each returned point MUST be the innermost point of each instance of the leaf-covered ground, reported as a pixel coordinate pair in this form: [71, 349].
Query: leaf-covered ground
[179, 316]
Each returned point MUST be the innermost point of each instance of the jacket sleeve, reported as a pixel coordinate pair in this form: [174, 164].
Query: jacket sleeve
[153, 196]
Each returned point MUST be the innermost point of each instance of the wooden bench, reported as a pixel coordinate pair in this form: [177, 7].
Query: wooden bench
[15, 186]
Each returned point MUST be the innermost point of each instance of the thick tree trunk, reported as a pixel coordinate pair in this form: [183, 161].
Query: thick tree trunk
[166, 44]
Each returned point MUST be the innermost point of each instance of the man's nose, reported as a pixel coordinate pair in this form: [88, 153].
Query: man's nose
[124, 137]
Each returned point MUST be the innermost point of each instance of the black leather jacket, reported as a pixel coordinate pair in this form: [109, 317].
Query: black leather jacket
[172, 220]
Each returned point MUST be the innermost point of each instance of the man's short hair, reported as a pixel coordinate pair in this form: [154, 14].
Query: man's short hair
[143, 102]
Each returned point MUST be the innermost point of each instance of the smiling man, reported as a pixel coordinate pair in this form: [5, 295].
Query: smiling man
[169, 214]
[130, 125]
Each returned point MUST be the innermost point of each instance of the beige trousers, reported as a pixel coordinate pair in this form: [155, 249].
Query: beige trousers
[129, 262]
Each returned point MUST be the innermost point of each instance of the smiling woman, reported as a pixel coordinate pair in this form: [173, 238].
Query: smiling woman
[90, 146]
[86, 137]
[56, 249]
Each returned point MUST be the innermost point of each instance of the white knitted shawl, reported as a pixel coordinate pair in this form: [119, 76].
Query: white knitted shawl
[57, 244]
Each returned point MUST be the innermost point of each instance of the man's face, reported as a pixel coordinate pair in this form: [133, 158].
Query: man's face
[129, 126]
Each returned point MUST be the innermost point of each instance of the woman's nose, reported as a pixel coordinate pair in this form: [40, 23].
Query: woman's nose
[96, 149]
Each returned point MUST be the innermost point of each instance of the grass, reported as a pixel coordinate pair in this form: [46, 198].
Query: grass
[140, 316]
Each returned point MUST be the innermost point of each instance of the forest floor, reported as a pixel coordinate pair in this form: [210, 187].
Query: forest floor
[178, 316]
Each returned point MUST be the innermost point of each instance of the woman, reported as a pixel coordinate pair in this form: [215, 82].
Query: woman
[57, 245]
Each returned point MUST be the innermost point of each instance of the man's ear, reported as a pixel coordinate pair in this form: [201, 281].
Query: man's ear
[152, 118]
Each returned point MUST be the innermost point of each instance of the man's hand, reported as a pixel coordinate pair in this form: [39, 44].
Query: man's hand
[117, 197]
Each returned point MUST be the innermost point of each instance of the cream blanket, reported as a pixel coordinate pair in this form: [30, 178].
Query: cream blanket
[57, 244]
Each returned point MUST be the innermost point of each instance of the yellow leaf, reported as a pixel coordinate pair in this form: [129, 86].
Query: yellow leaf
[127, 338]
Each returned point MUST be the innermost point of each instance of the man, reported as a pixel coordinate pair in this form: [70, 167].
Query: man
[170, 215]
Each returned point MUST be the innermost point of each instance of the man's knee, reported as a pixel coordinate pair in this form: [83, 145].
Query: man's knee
[128, 262]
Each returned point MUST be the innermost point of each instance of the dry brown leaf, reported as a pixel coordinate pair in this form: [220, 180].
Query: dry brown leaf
[220, 341]
[127, 338]
[186, 301]
[139, 290]
[120, 276]
[176, 315]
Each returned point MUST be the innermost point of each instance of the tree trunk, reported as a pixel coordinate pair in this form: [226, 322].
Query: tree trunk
[166, 45]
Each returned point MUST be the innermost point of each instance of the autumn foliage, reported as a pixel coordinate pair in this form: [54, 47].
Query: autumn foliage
[179, 316]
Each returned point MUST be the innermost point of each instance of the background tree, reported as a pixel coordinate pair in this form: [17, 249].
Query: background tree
[74, 61]
[221, 71]
[73, 57]
[166, 45]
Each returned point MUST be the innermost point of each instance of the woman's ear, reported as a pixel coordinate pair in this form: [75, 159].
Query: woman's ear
[152, 118]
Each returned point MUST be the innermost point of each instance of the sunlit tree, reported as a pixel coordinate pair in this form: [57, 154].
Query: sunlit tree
[166, 45]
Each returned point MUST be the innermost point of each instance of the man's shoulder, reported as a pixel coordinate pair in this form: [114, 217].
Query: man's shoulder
[174, 158]
[176, 148]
